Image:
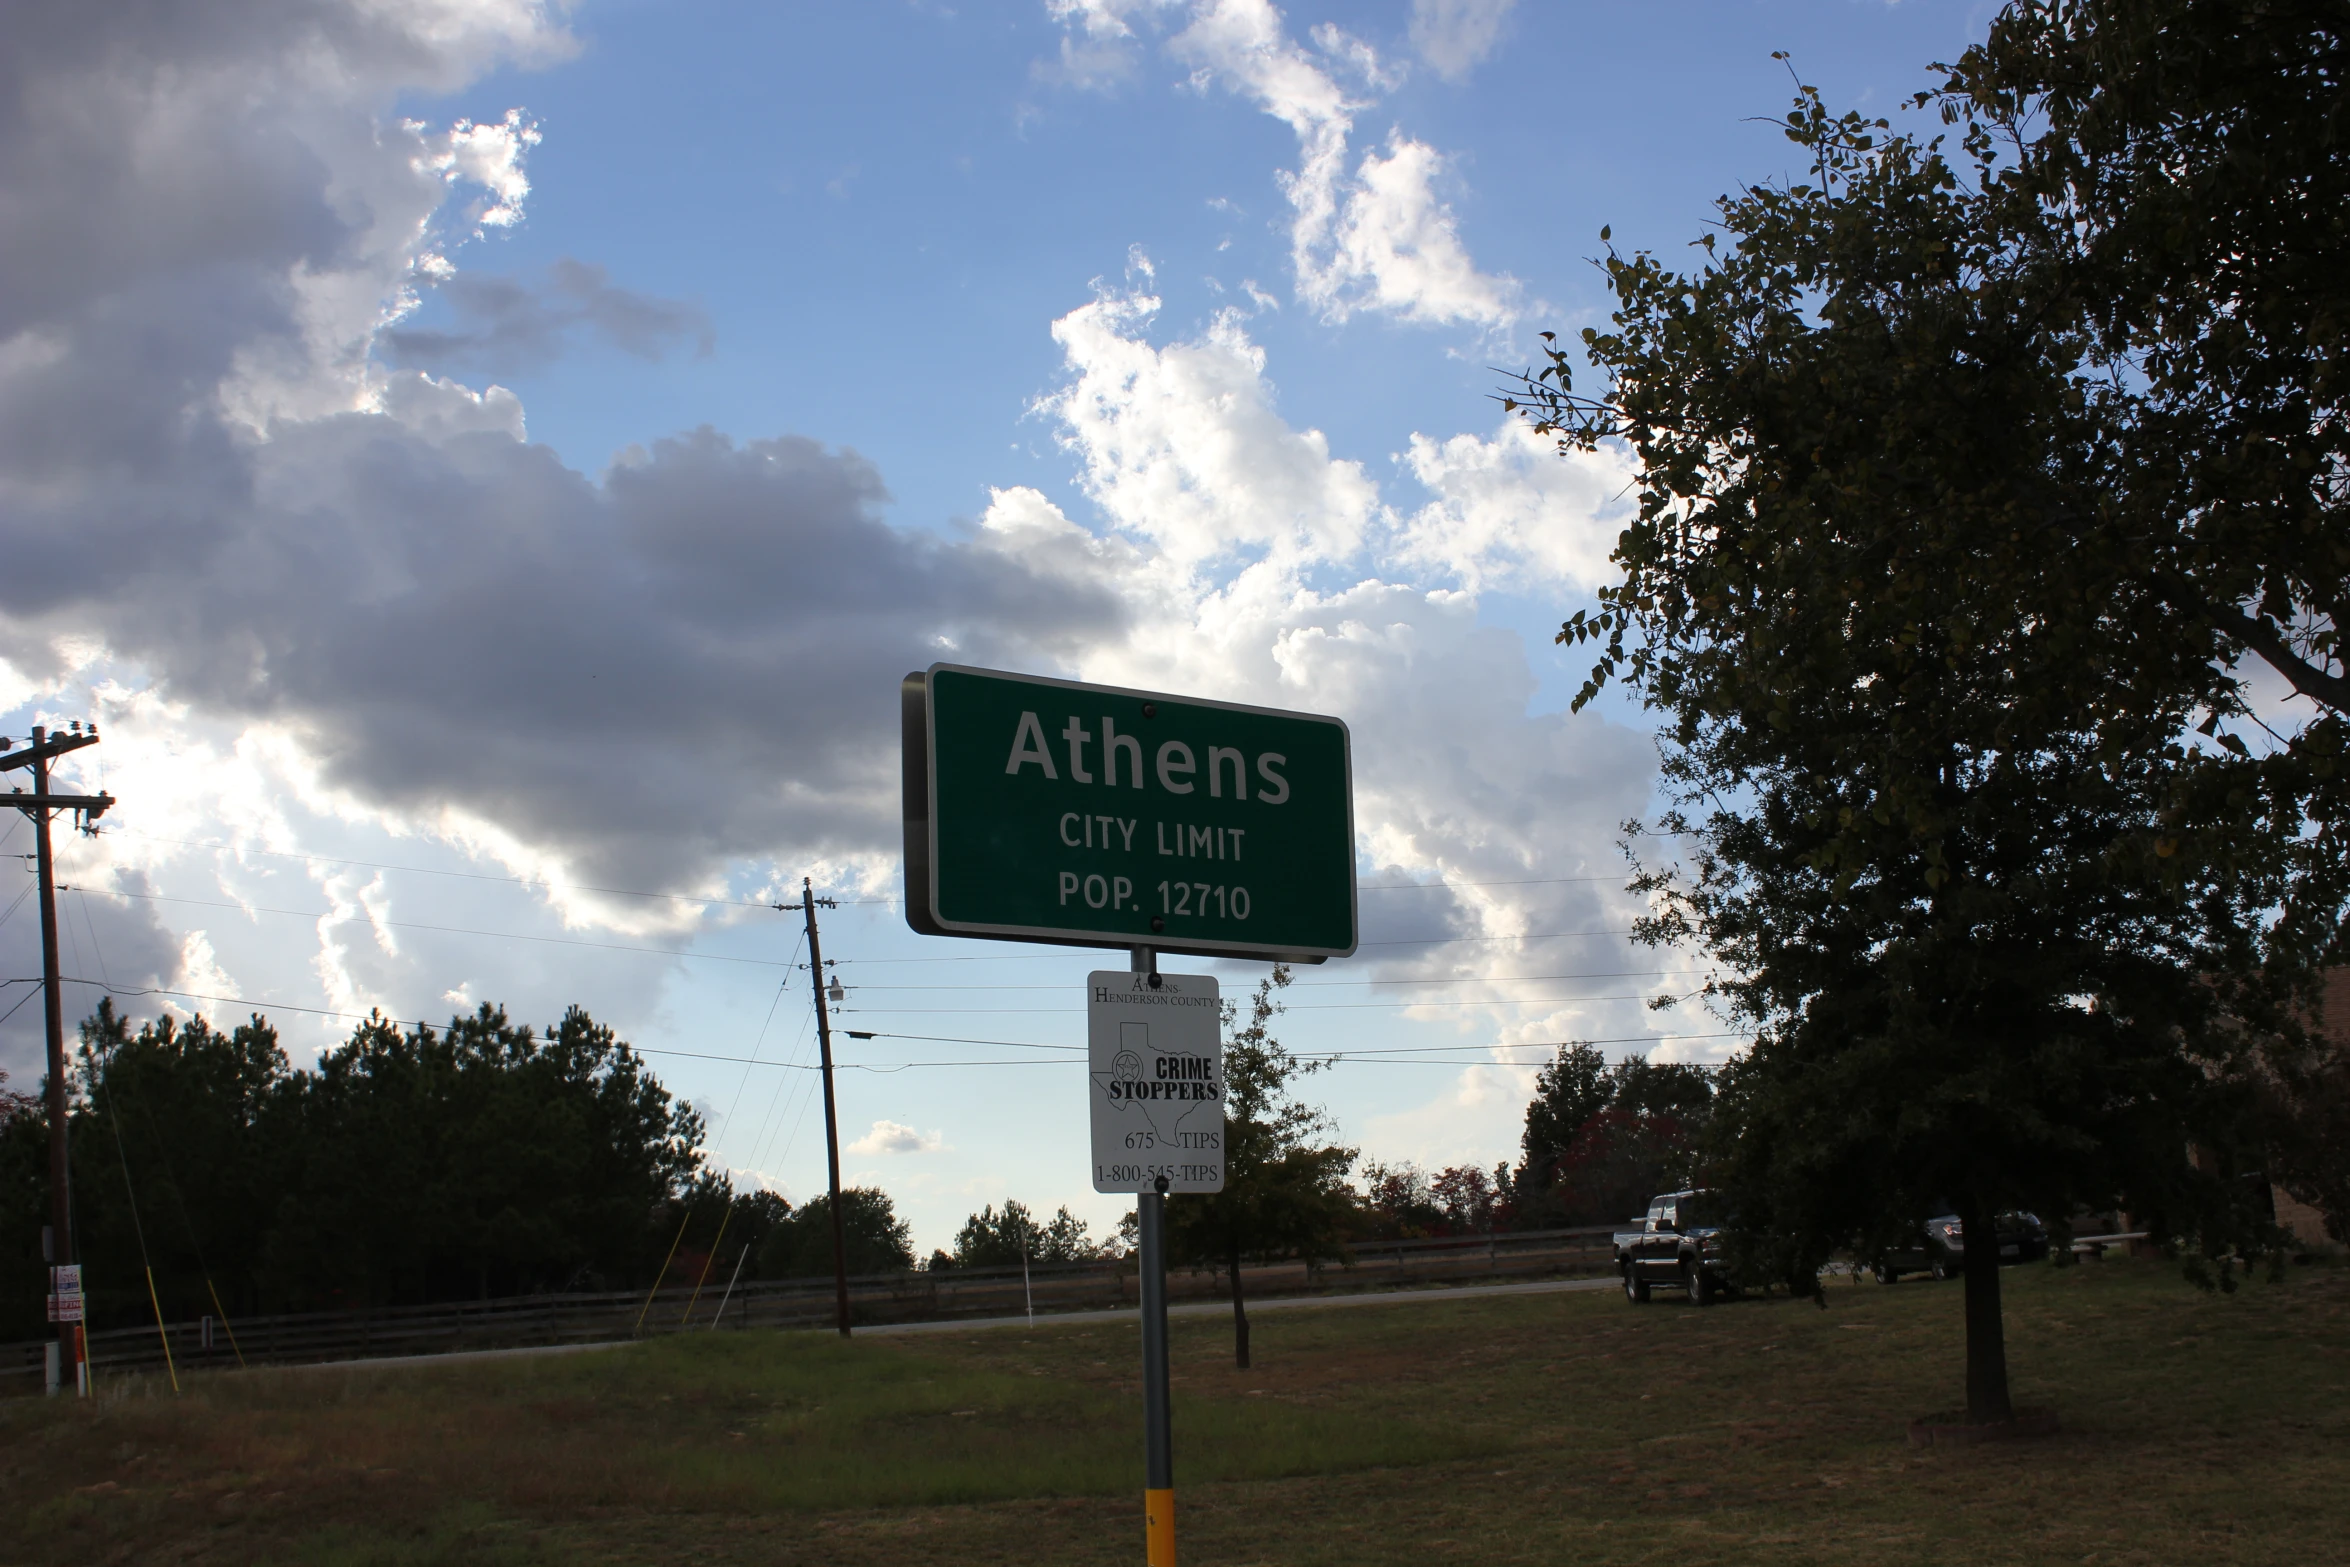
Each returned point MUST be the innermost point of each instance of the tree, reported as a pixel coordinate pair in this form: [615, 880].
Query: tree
[189, 1121]
[990, 1239]
[714, 1230]
[1569, 1090]
[1404, 1202]
[2194, 166]
[876, 1239]
[1464, 1193]
[2304, 1122]
[1285, 1191]
[413, 1165]
[1926, 751]
[24, 1191]
[1600, 1140]
[1397, 1204]
[755, 1216]
[478, 1159]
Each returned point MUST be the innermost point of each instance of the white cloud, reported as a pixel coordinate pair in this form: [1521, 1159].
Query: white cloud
[1098, 41]
[313, 595]
[1181, 445]
[488, 157]
[1397, 248]
[1456, 36]
[1379, 239]
[1369, 234]
[322, 599]
[1511, 509]
[199, 968]
[1357, 58]
[891, 1137]
[1244, 523]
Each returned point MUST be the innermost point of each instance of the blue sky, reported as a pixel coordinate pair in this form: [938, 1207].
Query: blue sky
[473, 455]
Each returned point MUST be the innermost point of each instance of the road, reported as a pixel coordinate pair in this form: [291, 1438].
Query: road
[1189, 1308]
[1210, 1308]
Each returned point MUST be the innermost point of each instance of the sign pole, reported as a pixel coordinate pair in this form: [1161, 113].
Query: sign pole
[1086, 815]
[1158, 1496]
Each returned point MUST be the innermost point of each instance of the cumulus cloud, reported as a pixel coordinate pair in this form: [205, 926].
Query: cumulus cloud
[891, 1137]
[1512, 509]
[1396, 247]
[1456, 36]
[340, 590]
[207, 475]
[1378, 238]
[1181, 448]
[465, 629]
[1369, 233]
[1182, 445]
[211, 215]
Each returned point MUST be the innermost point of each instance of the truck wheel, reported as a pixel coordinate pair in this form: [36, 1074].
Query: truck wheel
[1701, 1289]
[1942, 1269]
[1885, 1275]
[1635, 1288]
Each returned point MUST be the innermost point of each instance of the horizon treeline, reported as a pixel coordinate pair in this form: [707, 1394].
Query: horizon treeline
[411, 1164]
[489, 1158]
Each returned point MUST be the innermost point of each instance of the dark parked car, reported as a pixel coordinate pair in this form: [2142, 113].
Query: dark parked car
[1679, 1246]
[1938, 1245]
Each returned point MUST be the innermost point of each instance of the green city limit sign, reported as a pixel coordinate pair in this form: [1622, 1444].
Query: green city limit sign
[1047, 810]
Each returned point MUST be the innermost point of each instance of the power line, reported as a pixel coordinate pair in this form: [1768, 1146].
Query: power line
[1309, 984]
[1430, 1050]
[230, 1001]
[956, 1039]
[1307, 1006]
[761, 1143]
[744, 903]
[426, 870]
[1547, 935]
[1399, 1056]
[759, 1043]
[719, 957]
[447, 930]
[1531, 881]
[1415, 941]
[1311, 1006]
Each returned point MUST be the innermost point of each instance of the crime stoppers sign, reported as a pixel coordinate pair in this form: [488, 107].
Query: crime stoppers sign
[1047, 810]
[1155, 1081]
[65, 1293]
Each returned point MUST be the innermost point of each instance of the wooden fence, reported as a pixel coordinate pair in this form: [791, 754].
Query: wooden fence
[516, 1321]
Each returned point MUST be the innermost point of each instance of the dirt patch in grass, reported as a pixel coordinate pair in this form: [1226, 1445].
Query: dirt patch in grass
[1531, 1428]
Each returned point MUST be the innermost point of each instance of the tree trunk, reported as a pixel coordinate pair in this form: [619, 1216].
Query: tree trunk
[1986, 1337]
[1239, 1312]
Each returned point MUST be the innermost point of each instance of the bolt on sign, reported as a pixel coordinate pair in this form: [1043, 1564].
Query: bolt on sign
[1083, 815]
[1156, 1081]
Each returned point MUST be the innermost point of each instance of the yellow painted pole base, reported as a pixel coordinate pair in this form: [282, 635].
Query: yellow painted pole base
[1158, 1524]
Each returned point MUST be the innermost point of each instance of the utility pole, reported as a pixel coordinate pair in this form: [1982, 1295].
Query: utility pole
[840, 1245]
[38, 805]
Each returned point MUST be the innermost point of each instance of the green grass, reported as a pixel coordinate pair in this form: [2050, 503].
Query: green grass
[1532, 1428]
